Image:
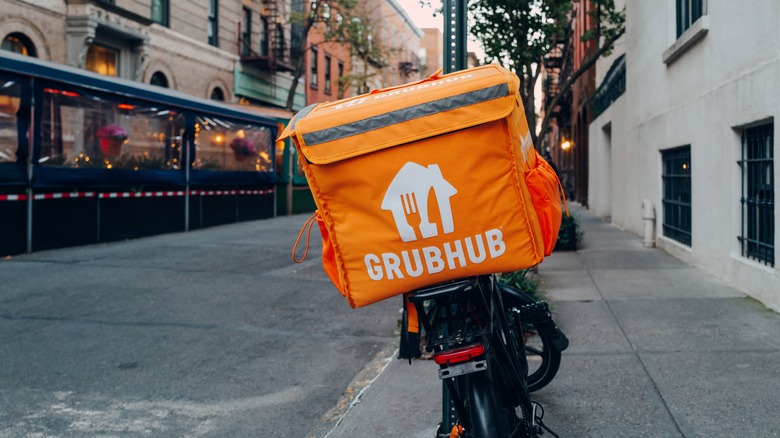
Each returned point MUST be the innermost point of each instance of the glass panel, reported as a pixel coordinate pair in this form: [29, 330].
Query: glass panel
[160, 11]
[101, 60]
[159, 80]
[677, 194]
[327, 74]
[246, 33]
[19, 43]
[264, 37]
[10, 98]
[88, 131]
[217, 94]
[340, 92]
[213, 30]
[314, 58]
[235, 146]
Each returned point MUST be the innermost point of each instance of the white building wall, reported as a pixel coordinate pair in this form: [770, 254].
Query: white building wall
[724, 81]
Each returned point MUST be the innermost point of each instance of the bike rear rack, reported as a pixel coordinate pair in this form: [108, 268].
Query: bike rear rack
[447, 322]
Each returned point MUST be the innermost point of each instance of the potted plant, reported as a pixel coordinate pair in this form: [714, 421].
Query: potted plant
[112, 137]
[242, 148]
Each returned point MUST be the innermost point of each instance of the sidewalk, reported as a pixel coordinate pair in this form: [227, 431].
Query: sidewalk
[658, 349]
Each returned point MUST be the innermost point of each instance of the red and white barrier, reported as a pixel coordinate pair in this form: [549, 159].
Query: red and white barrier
[118, 195]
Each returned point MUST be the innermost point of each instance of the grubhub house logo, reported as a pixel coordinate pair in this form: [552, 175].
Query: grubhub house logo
[407, 199]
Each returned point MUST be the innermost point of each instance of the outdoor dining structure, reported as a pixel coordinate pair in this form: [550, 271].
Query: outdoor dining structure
[86, 158]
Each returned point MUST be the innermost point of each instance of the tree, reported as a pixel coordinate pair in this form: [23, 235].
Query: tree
[366, 46]
[345, 22]
[520, 33]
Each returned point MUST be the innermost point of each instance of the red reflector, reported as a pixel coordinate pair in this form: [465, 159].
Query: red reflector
[459, 355]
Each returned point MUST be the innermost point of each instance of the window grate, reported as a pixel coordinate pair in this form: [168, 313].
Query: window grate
[758, 194]
[676, 201]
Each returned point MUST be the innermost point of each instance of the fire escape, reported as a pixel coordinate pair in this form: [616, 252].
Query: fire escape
[557, 68]
[409, 66]
[272, 52]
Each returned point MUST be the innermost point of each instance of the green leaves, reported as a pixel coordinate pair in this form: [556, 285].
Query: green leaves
[520, 33]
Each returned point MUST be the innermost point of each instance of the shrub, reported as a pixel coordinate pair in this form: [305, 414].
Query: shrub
[570, 235]
[523, 280]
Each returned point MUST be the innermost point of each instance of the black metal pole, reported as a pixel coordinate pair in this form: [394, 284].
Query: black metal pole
[455, 32]
[455, 59]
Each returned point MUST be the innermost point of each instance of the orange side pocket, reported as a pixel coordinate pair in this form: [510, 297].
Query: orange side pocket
[329, 256]
[545, 189]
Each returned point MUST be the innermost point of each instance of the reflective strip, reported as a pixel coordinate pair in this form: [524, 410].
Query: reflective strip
[301, 114]
[406, 114]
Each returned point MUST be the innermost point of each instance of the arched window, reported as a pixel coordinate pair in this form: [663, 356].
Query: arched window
[217, 94]
[159, 79]
[19, 43]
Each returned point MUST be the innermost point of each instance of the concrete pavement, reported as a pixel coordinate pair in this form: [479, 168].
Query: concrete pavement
[658, 349]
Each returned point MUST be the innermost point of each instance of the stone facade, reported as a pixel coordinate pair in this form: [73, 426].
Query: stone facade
[700, 91]
[178, 49]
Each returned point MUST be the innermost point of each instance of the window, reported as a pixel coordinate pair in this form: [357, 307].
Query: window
[214, 23]
[677, 194]
[102, 60]
[758, 194]
[159, 79]
[688, 11]
[340, 92]
[217, 94]
[161, 12]
[327, 74]
[10, 103]
[279, 42]
[264, 37]
[87, 130]
[222, 144]
[19, 43]
[246, 33]
[314, 57]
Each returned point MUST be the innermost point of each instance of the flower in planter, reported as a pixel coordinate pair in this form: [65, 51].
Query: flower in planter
[112, 132]
[111, 139]
[242, 148]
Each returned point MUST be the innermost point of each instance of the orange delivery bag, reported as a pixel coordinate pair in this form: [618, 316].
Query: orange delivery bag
[427, 182]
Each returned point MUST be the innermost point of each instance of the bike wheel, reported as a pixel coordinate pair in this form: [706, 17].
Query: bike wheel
[490, 413]
[483, 407]
[543, 358]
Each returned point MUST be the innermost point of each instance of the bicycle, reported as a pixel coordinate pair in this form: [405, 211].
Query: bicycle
[477, 341]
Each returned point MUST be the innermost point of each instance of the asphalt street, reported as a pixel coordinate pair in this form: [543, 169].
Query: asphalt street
[210, 333]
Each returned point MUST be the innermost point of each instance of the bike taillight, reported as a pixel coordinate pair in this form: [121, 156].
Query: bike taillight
[459, 355]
